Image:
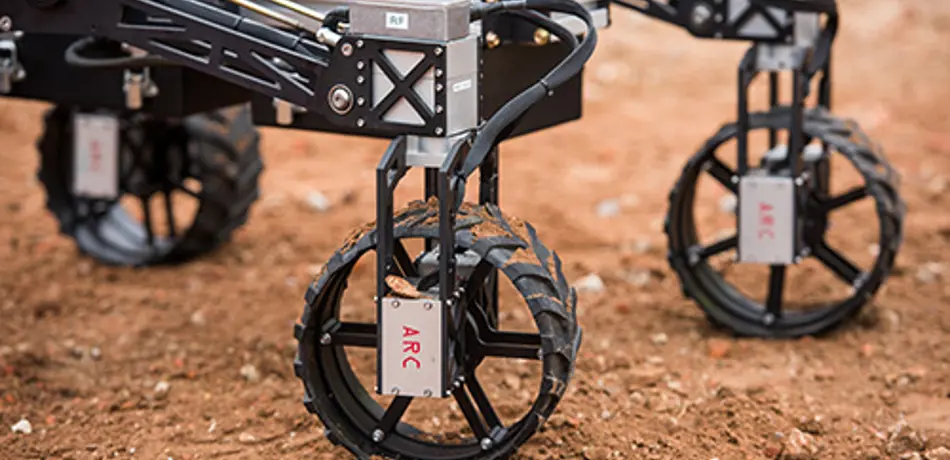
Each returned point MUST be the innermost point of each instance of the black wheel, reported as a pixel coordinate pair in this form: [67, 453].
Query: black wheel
[467, 424]
[184, 186]
[757, 300]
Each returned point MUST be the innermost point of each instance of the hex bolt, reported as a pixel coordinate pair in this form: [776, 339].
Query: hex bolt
[326, 339]
[486, 443]
[346, 49]
[360, 122]
[360, 65]
[360, 80]
[360, 101]
[359, 43]
[395, 303]
[492, 40]
[439, 87]
[439, 73]
[438, 131]
[378, 435]
[437, 51]
[6, 24]
[427, 305]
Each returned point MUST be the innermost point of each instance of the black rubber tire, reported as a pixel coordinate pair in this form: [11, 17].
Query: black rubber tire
[728, 308]
[536, 273]
[223, 148]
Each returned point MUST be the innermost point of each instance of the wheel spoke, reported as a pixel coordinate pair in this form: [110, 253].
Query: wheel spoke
[519, 345]
[773, 304]
[844, 199]
[147, 214]
[719, 247]
[355, 335]
[484, 405]
[471, 414]
[839, 264]
[721, 173]
[394, 414]
[170, 211]
[403, 261]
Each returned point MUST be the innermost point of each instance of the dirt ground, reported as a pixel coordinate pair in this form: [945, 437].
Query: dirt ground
[86, 351]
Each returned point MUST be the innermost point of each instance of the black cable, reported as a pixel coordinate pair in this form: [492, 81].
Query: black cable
[74, 56]
[490, 133]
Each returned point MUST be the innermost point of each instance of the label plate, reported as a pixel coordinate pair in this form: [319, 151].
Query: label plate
[96, 156]
[411, 347]
[767, 220]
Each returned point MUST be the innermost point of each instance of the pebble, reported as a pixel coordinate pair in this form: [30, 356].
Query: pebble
[161, 388]
[246, 438]
[95, 353]
[659, 338]
[718, 348]
[318, 201]
[801, 446]
[940, 453]
[22, 427]
[608, 208]
[812, 425]
[198, 318]
[250, 373]
[638, 278]
[903, 438]
[929, 272]
[590, 283]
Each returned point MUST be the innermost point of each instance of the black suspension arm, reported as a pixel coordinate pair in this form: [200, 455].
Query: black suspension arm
[194, 34]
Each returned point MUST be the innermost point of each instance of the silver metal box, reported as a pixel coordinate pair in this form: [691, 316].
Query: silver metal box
[767, 220]
[410, 348]
[440, 20]
[96, 156]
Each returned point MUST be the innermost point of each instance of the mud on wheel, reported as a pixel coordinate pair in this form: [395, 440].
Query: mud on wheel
[188, 184]
[367, 425]
[727, 305]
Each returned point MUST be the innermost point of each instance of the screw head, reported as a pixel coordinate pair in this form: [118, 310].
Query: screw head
[340, 99]
[701, 14]
[734, 179]
[395, 391]
[326, 339]
[359, 43]
[360, 101]
[486, 443]
[360, 122]
[438, 109]
[360, 65]
[360, 80]
[427, 305]
[541, 36]
[439, 87]
[437, 51]
[438, 131]
[492, 40]
[346, 49]
[439, 73]
[427, 393]
[768, 319]
[378, 435]
[395, 303]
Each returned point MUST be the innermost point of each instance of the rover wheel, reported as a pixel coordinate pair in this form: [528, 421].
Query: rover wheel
[183, 186]
[466, 424]
[830, 285]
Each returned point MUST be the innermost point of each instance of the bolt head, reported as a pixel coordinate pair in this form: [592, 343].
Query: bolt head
[359, 43]
[326, 339]
[427, 305]
[6, 24]
[541, 36]
[360, 65]
[427, 393]
[378, 435]
[734, 179]
[340, 99]
[492, 40]
[438, 131]
[346, 49]
[360, 122]
[439, 72]
[486, 443]
[438, 87]
[360, 101]
[438, 109]
[395, 303]
[768, 319]
[360, 80]
[437, 51]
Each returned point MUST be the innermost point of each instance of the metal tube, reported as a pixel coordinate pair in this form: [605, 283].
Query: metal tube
[299, 9]
[264, 11]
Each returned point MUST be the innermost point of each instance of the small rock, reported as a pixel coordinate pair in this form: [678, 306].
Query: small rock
[318, 201]
[940, 453]
[867, 350]
[246, 438]
[250, 373]
[937, 185]
[728, 203]
[800, 446]
[198, 318]
[929, 272]
[606, 415]
[161, 389]
[655, 360]
[903, 438]
[314, 269]
[22, 427]
[590, 283]
[718, 348]
[638, 278]
[77, 352]
[95, 353]
[659, 339]
[824, 374]
[812, 425]
[608, 208]
[512, 382]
